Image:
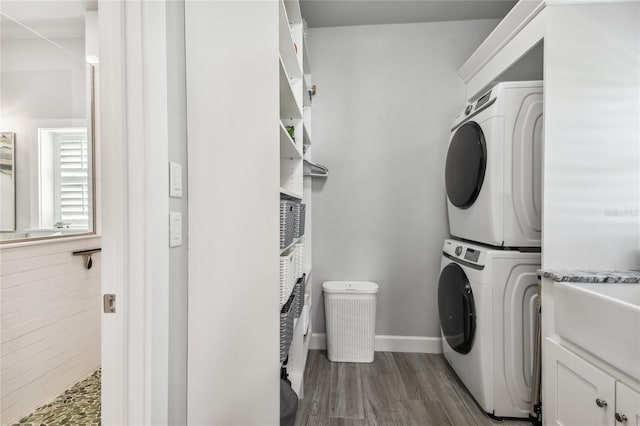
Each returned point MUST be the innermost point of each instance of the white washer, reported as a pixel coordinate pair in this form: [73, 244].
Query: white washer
[487, 301]
[493, 167]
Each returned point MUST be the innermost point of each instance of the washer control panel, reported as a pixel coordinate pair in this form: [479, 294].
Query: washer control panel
[472, 255]
[464, 251]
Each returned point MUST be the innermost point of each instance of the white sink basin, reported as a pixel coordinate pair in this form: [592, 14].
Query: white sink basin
[604, 319]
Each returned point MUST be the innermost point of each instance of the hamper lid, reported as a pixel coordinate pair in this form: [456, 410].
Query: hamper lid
[350, 287]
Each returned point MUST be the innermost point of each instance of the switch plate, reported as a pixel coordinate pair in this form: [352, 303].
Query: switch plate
[175, 229]
[175, 180]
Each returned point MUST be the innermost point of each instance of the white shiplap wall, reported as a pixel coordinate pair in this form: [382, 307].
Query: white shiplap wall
[49, 323]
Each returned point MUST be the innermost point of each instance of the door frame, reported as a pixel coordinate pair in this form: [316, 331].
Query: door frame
[134, 177]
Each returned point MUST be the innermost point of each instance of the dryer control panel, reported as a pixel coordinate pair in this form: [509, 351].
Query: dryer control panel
[474, 107]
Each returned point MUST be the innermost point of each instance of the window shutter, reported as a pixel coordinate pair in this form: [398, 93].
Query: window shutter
[73, 175]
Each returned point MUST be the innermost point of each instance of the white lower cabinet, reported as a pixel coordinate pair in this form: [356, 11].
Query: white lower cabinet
[580, 394]
[627, 405]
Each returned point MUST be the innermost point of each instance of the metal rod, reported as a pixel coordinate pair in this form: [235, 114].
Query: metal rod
[86, 252]
[87, 255]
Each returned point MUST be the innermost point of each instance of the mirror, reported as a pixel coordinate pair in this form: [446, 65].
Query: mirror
[46, 121]
[7, 183]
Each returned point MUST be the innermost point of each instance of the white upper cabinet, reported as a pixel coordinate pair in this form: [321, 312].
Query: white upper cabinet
[515, 36]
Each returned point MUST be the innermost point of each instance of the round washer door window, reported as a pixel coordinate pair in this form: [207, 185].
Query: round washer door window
[456, 308]
[466, 165]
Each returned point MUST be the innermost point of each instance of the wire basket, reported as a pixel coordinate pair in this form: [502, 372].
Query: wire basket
[298, 259]
[287, 222]
[298, 293]
[287, 275]
[286, 328]
[299, 213]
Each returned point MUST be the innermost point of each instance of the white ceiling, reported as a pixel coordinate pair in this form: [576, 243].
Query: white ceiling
[24, 19]
[334, 13]
[37, 10]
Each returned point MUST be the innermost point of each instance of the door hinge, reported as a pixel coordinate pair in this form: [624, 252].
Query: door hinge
[109, 303]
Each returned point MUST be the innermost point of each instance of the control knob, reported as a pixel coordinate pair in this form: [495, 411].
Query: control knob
[458, 250]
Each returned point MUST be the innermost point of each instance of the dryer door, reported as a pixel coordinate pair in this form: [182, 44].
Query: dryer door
[466, 165]
[457, 309]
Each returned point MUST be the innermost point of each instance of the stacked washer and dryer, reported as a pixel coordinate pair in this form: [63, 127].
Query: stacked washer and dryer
[487, 291]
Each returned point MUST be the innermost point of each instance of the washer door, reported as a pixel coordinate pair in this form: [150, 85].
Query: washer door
[466, 165]
[457, 308]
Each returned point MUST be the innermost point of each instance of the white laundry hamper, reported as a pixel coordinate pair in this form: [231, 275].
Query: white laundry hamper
[350, 316]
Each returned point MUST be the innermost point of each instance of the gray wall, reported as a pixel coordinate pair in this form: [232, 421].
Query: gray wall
[178, 256]
[387, 95]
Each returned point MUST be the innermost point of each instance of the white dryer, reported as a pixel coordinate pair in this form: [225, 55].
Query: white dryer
[487, 302]
[494, 165]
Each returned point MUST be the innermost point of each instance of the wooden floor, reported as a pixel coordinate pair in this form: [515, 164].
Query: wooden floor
[396, 389]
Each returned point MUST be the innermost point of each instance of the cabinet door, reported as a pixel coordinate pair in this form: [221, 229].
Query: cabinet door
[627, 406]
[579, 394]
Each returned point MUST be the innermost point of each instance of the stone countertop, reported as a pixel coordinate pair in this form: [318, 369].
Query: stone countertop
[584, 276]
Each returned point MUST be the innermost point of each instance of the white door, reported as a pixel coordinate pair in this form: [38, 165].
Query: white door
[627, 405]
[579, 393]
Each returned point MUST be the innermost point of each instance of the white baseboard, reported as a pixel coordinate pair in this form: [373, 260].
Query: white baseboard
[318, 341]
[417, 344]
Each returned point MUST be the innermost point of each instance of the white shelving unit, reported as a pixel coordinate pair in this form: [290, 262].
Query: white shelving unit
[306, 138]
[288, 148]
[288, 53]
[306, 71]
[290, 95]
[290, 194]
[295, 82]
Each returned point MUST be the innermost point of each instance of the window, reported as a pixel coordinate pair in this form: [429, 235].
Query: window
[65, 183]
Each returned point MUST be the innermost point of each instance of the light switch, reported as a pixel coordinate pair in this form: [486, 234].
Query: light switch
[175, 180]
[175, 229]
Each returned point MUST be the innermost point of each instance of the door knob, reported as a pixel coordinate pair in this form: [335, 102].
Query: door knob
[601, 403]
[621, 418]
